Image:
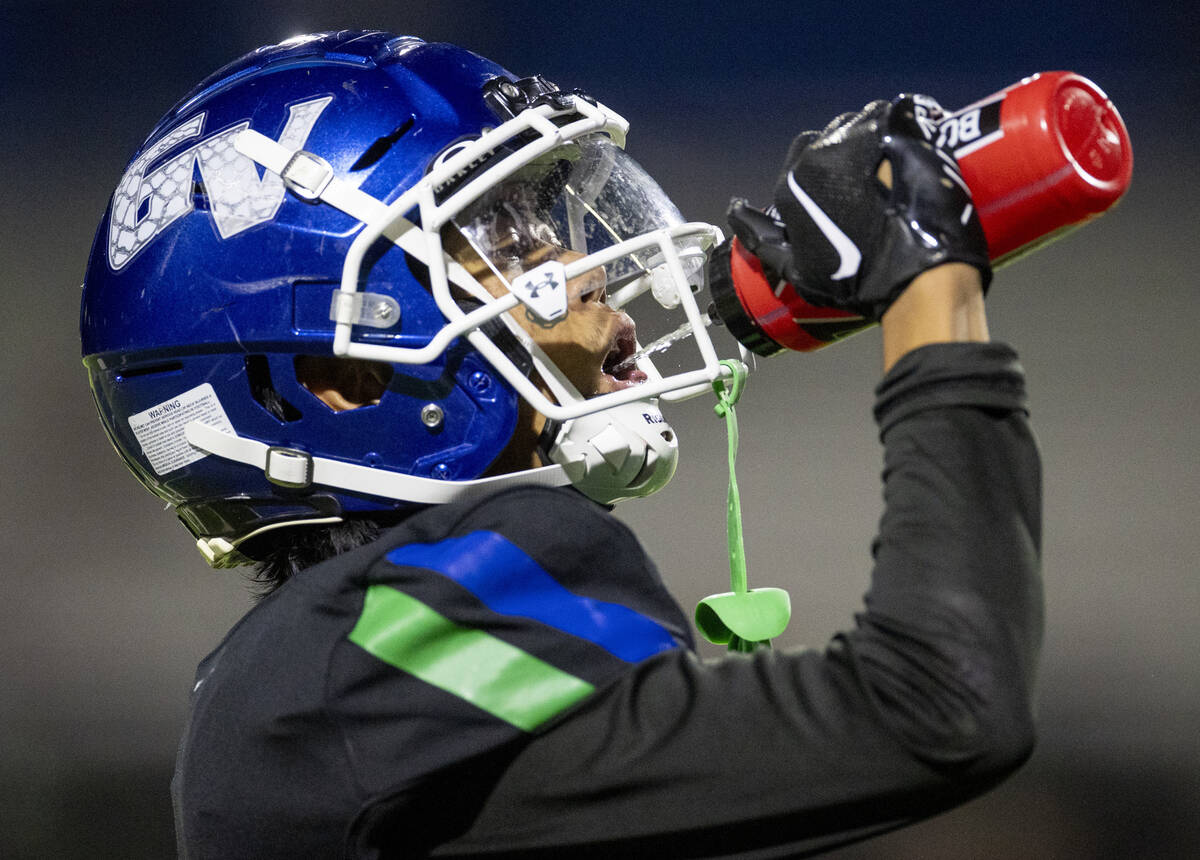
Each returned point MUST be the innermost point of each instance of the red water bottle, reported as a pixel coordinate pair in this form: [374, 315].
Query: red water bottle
[1041, 157]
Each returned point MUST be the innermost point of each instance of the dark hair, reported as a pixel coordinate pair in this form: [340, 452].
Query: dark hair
[279, 554]
[282, 553]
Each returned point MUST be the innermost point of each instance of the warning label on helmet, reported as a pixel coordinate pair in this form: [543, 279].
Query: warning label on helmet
[159, 429]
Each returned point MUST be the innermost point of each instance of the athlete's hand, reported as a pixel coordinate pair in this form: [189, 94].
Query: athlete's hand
[849, 234]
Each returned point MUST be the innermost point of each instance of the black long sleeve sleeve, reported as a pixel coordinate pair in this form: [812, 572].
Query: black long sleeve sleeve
[921, 704]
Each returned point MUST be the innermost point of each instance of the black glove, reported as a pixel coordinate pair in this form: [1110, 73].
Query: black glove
[845, 240]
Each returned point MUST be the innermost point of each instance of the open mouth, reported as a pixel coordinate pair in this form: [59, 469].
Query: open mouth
[621, 372]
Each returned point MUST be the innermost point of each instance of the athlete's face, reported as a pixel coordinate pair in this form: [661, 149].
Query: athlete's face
[588, 341]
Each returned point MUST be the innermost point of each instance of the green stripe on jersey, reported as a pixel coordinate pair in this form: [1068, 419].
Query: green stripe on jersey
[485, 671]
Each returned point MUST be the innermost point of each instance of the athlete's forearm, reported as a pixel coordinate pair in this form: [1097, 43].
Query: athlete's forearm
[941, 305]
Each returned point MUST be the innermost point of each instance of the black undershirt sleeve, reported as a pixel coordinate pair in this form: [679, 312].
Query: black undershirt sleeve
[923, 703]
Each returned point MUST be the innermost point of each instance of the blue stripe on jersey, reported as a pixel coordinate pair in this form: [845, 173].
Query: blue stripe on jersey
[508, 581]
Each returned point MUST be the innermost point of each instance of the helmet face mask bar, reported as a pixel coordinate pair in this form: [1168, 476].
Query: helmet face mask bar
[409, 203]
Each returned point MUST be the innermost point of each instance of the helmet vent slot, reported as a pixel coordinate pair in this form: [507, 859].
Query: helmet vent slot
[258, 374]
[380, 147]
[134, 372]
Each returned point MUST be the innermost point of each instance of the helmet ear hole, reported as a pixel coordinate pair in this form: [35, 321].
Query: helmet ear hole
[262, 389]
[343, 383]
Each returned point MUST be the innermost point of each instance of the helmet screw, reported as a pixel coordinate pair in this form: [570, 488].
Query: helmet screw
[442, 472]
[432, 415]
[509, 90]
[480, 382]
[383, 312]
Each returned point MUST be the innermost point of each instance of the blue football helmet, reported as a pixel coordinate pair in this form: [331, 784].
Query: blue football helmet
[358, 196]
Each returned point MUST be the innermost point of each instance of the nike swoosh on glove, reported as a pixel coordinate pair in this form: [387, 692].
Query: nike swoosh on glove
[840, 236]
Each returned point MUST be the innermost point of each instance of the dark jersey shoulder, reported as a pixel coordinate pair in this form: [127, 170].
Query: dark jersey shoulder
[576, 541]
[334, 708]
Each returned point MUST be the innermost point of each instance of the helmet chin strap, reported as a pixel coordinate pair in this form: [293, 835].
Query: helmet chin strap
[621, 453]
[297, 469]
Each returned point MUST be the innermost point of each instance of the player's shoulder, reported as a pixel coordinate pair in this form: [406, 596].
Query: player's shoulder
[537, 519]
[528, 537]
[562, 529]
[540, 510]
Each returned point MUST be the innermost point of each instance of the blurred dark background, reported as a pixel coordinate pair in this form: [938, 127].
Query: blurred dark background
[106, 608]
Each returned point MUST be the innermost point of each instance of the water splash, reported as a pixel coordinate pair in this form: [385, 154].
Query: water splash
[661, 345]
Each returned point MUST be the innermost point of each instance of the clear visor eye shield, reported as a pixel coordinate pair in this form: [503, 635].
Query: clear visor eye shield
[551, 179]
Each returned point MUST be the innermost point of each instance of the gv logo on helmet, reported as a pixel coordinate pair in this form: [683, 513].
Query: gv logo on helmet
[145, 204]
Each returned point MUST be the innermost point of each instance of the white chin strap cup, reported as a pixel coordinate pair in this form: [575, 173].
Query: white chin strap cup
[624, 452]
